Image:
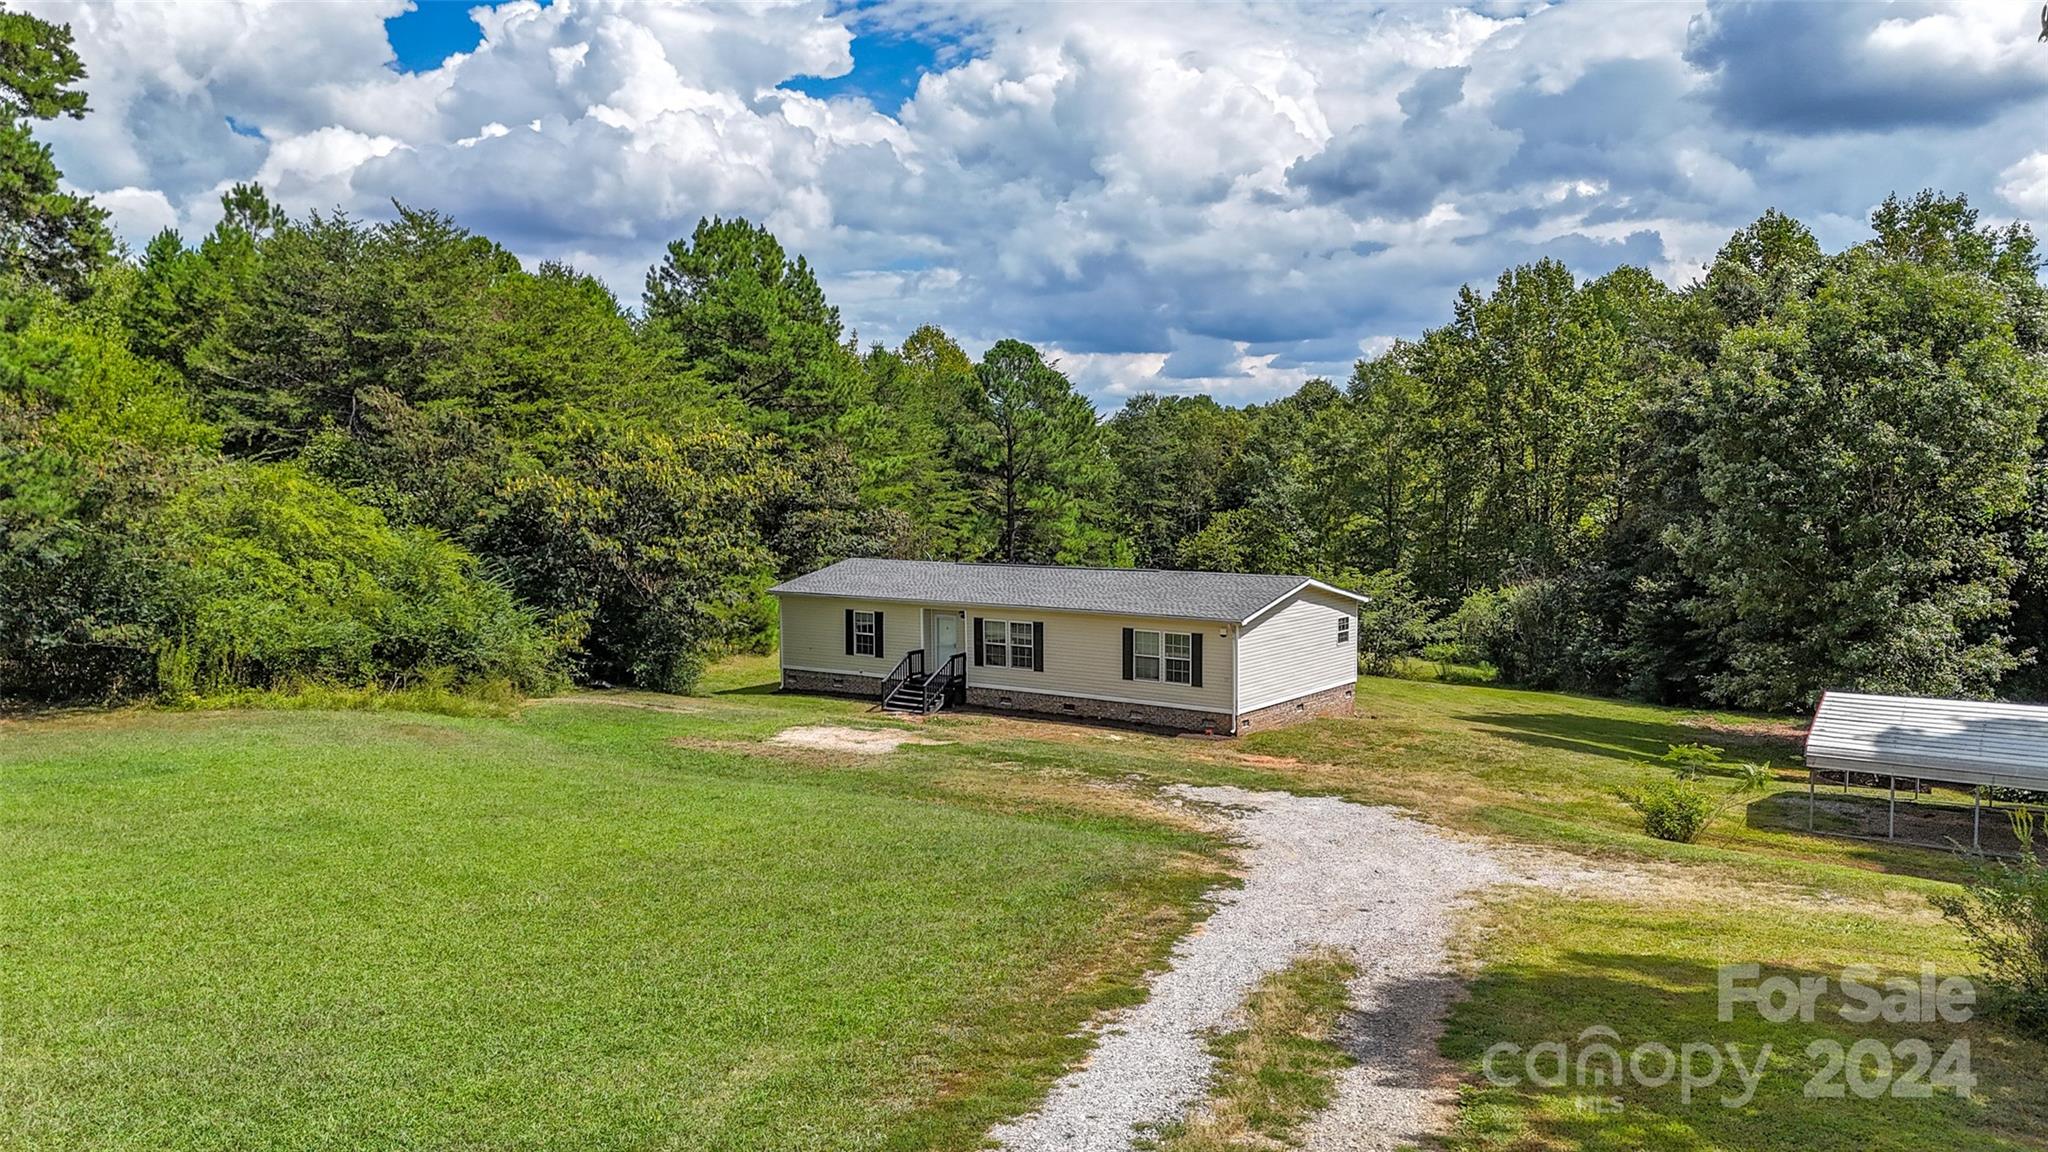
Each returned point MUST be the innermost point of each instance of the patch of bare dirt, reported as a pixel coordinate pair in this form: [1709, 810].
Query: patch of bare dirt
[834, 738]
[1790, 731]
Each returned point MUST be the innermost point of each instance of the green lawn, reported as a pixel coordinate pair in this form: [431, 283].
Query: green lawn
[351, 930]
[1648, 970]
[1541, 769]
[623, 921]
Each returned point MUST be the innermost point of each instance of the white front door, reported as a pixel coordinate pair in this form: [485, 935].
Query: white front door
[945, 638]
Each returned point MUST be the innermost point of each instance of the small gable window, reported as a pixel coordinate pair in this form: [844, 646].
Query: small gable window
[1343, 629]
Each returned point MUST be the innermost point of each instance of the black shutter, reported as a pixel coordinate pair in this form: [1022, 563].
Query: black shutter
[1129, 646]
[849, 631]
[1038, 645]
[1195, 660]
[878, 637]
[977, 641]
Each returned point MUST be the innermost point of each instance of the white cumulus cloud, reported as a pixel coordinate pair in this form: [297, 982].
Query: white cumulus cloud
[1220, 197]
[2025, 185]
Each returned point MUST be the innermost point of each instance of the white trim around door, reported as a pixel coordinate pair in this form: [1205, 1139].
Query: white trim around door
[935, 643]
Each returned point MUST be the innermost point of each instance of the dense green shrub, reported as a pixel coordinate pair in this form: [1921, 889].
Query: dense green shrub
[271, 577]
[1474, 633]
[1676, 810]
[135, 561]
[2004, 914]
[642, 542]
[1682, 808]
[1394, 624]
[91, 441]
[1539, 632]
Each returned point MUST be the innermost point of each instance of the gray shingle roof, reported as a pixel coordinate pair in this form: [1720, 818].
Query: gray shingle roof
[1229, 596]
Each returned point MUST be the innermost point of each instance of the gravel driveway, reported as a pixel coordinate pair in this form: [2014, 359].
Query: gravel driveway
[1375, 885]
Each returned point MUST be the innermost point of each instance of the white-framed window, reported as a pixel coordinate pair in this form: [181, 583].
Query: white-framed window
[1180, 658]
[1144, 655]
[1010, 643]
[1343, 629]
[1164, 656]
[864, 634]
[1023, 645]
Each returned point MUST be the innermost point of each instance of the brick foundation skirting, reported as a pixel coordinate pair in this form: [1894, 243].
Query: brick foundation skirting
[1147, 715]
[832, 683]
[1329, 702]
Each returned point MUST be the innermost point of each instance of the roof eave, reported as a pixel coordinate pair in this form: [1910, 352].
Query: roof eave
[1297, 590]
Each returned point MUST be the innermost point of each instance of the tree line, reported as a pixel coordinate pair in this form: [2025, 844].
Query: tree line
[328, 449]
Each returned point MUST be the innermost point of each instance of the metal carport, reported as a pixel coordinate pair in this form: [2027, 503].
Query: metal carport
[1979, 743]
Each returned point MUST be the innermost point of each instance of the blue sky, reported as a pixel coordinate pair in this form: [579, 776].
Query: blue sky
[886, 63]
[431, 32]
[1224, 198]
[886, 68]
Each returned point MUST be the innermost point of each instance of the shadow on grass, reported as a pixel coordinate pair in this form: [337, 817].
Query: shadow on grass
[764, 688]
[1631, 740]
[1929, 835]
[1673, 1001]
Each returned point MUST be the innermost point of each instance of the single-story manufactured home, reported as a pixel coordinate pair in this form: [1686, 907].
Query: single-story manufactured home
[1219, 652]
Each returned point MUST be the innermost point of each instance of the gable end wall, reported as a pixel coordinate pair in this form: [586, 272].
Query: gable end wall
[1293, 651]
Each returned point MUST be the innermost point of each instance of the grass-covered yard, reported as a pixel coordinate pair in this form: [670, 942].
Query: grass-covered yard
[625, 921]
[349, 930]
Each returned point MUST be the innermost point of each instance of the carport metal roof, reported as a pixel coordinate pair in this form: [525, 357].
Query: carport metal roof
[1953, 741]
[1974, 742]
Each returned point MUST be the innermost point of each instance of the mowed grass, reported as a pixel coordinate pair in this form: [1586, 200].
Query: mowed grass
[1643, 959]
[1278, 1068]
[1585, 973]
[618, 920]
[1638, 954]
[1544, 768]
[356, 930]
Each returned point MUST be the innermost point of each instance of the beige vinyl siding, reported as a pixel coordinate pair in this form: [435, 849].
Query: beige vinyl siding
[1083, 651]
[814, 634]
[1084, 656]
[1293, 650]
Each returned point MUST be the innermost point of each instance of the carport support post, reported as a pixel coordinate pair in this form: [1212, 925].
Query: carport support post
[1976, 817]
[1891, 820]
[1809, 798]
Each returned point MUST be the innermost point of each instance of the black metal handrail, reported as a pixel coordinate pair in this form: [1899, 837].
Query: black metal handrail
[948, 685]
[911, 667]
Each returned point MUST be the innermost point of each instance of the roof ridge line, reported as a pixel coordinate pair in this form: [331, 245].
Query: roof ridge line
[993, 564]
